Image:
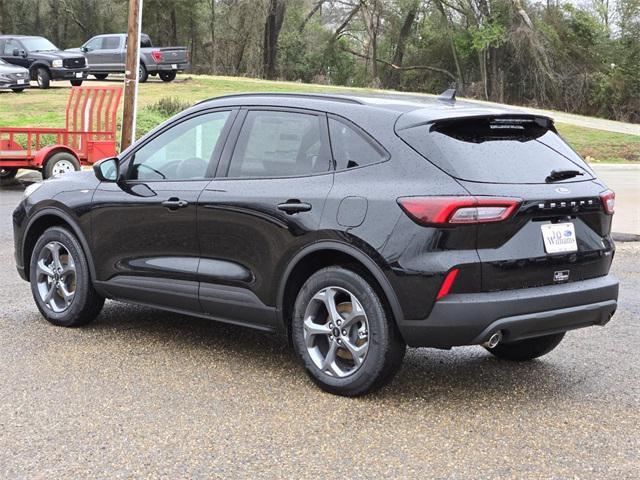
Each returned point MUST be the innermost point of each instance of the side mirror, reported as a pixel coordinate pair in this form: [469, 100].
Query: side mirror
[84, 49]
[19, 53]
[107, 170]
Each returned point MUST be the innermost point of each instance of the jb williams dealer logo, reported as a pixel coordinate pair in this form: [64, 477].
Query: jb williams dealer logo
[563, 190]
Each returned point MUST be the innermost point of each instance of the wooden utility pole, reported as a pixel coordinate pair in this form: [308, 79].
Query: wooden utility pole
[131, 75]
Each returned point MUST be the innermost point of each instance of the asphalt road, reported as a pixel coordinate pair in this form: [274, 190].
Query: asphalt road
[141, 393]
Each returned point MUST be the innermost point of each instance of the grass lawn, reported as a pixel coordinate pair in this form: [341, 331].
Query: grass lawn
[46, 108]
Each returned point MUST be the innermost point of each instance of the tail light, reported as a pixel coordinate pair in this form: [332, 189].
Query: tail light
[445, 288]
[608, 198]
[458, 210]
[156, 55]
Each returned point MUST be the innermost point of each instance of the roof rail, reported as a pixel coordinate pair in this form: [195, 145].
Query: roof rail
[312, 96]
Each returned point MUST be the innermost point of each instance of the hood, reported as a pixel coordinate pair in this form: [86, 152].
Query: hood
[55, 55]
[12, 69]
[74, 50]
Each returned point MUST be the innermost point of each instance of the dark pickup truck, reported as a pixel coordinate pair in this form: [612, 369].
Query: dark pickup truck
[43, 59]
[108, 54]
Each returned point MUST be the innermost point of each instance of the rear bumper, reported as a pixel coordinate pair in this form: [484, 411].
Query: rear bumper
[470, 319]
[168, 67]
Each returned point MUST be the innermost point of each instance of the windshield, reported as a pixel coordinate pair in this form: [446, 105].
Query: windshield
[496, 149]
[38, 44]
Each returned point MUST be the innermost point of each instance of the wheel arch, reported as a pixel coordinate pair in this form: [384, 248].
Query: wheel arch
[44, 154]
[47, 218]
[326, 253]
[33, 68]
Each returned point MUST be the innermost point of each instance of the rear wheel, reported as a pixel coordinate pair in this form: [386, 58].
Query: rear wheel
[143, 75]
[60, 163]
[168, 76]
[345, 339]
[7, 175]
[43, 77]
[76, 83]
[101, 76]
[60, 280]
[527, 349]
[18, 90]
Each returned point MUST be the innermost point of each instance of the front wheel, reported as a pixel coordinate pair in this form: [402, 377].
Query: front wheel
[18, 90]
[344, 337]
[60, 163]
[168, 76]
[43, 77]
[60, 280]
[527, 349]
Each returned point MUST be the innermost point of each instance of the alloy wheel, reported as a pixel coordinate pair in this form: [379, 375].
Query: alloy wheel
[56, 277]
[336, 332]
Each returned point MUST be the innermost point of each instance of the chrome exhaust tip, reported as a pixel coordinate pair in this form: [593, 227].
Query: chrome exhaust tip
[493, 341]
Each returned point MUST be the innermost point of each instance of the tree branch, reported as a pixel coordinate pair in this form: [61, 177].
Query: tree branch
[396, 67]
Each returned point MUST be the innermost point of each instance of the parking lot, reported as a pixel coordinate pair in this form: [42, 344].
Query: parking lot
[143, 393]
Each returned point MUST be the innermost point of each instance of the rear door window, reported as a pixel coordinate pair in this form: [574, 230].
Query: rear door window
[496, 149]
[280, 144]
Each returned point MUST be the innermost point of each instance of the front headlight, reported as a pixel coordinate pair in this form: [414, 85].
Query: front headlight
[56, 64]
[30, 189]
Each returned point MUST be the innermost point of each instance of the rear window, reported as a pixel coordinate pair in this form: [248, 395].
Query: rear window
[495, 149]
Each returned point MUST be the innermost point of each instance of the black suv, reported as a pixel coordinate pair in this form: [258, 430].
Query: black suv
[43, 59]
[354, 225]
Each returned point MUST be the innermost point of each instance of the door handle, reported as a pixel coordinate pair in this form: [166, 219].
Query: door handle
[175, 203]
[294, 206]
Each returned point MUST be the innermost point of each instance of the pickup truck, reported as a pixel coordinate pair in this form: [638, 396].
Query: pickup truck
[107, 54]
[43, 59]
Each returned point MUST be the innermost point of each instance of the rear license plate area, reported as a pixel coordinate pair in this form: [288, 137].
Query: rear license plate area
[559, 237]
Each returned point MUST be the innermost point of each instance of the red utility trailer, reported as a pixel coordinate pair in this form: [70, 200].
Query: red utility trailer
[89, 135]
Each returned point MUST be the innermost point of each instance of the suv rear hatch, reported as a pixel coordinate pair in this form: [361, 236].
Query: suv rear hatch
[559, 231]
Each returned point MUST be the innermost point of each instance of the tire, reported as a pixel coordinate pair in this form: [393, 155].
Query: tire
[60, 163]
[7, 176]
[373, 338]
[75, 302]
[168, 76]
[143, 75]
[18, 90]
[76, 83]
[527, 349]
[101, 76]
[43, 77]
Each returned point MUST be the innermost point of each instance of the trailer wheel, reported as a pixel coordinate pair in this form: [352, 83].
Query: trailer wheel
[101, 76]
[18, 90]
[59, 164]
[7, 175]
[168, 76]
[76, 83]
[43, 77]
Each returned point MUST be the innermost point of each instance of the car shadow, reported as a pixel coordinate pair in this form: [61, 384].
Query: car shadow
[457, 375]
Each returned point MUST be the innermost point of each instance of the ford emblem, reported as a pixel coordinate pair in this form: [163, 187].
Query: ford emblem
[563, 190]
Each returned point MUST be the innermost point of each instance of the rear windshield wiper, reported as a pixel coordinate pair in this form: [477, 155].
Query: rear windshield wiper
[557, 175]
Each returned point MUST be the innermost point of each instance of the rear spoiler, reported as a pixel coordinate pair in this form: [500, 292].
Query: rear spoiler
[428, 116]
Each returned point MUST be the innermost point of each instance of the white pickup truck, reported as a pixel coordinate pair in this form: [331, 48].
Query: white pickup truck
[107, 54]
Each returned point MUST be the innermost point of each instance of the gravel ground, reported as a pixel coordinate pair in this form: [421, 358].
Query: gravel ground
[142, 393]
